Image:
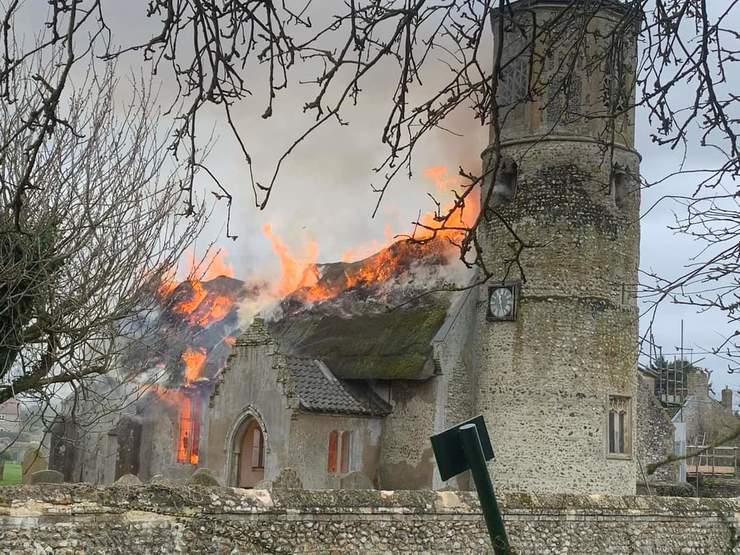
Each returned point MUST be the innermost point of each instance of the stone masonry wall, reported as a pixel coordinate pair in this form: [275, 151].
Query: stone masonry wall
[654, 438]
[66, 519]
[254, 384]
[454, 356]
[406, 458]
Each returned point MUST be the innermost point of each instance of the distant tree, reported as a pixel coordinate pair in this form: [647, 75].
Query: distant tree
[96, 225]
[661, 362]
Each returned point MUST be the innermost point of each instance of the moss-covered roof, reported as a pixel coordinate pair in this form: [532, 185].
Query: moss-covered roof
[388, 345]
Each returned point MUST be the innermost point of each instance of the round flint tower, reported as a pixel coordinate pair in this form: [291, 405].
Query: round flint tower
[558, 321]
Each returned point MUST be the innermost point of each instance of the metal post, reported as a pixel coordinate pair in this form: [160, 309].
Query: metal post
[477, 463]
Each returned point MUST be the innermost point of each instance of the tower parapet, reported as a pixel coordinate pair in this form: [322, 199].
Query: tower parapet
[557, 373]
[567, 70]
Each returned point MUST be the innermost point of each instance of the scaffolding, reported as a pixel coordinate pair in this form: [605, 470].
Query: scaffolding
[671, 378]
[712, 461]
[671, 383]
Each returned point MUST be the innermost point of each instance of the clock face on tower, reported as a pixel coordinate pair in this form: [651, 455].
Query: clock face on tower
[502, 302]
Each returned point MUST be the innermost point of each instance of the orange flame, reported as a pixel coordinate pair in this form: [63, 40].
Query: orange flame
[195, 360]
[188, 437]
[212, 309]
[203, 307]
[187, 447]
[440, 177]
[295, 273]
[462, 217]
[300, 276]
[187, 306]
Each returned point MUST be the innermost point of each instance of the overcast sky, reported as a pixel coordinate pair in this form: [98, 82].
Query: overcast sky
[325, 192]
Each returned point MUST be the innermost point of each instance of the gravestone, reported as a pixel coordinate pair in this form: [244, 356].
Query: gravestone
[128, 480]
[204, 477]
[33, 461]
[46, 477]
[161, 480]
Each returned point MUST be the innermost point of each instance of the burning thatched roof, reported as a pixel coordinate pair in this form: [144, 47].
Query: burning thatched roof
[374, 318]
[368, 319]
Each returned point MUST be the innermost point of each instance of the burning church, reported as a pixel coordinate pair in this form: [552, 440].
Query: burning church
[363, 361]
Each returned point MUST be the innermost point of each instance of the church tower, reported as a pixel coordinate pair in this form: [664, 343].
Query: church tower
[558, 320]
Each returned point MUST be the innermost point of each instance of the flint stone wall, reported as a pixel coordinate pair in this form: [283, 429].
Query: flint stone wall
[654, 438]
[80, 518]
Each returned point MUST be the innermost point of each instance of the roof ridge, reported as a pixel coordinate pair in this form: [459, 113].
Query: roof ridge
[327, 373]
[319, 390]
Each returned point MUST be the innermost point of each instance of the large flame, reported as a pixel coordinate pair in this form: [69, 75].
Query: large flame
[461, 217]
[204, 268]
[189, 304]
[188, 440]
[195, 361]
[217, 266]
[296, 272]
[200, 306]
[187, 404]
[300, 276]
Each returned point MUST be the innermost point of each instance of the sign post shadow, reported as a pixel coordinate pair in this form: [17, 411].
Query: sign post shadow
[467, 446]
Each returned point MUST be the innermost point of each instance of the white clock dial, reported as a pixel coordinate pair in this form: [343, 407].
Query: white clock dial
[502, 302]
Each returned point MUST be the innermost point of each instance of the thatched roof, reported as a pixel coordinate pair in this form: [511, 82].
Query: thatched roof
[387, 345]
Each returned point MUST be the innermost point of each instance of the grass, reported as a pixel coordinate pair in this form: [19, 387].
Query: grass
[11, 474]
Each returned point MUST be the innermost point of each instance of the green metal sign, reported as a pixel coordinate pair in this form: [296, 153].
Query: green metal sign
[448, 449]
[467, 446]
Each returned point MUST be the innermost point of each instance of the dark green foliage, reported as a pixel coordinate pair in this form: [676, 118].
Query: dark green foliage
[27, 263]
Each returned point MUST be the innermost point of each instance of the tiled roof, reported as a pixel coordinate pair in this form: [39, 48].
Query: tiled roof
[320, 391]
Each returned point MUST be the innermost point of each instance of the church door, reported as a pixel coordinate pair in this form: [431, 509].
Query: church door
[251, 456]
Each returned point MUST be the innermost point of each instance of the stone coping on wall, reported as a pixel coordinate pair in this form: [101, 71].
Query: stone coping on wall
[190, 500]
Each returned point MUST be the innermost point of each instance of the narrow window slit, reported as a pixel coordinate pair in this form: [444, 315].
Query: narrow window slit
[504, 188]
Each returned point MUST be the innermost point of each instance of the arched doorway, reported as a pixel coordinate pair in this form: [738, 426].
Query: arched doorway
[251, 455]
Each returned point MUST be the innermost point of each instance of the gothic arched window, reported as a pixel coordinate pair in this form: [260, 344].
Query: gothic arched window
[615, 89]
[564, 101]
[513, 85]
[619, 426]
[564, 69]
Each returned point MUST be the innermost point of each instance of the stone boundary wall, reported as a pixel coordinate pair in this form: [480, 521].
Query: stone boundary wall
[67, 518]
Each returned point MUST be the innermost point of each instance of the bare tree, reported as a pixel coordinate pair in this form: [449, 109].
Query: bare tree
[220, 53]
[98, 225]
